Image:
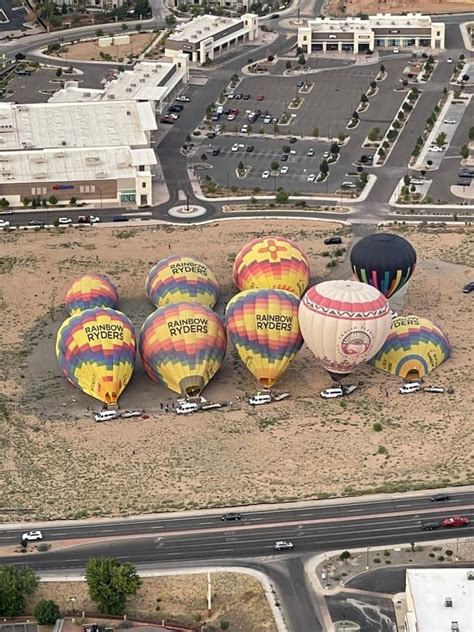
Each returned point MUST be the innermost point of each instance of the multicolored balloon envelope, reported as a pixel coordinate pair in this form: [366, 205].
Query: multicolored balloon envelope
[180, 279]
[344, 323]
[88, 291]
[383, 260]
[96, 351]
[414, 347]
[183, 346]
[272, 262]
[263, 325]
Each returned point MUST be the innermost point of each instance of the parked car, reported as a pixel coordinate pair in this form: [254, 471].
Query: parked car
[231, 516]
[216, 151]
[32, 536]
[260, 399]
[332, 240]
[396, 51]
[326, 154]
[64, 221]
[417, 181]
[4, 223]
[260, 97]
[310, 152]
[267, 119]
[449, 60]
[283, 545]
[183, 98]
[438, 498]
[244, 129]
[266, 174]
[88, 219]
[231, 117]
[311, 177]
[35, 222]
[467, 289]
[300, 84]
[410, 387]
[211, 134]
[435, 148]
[450, 121]
[105, 415]
[284, 157]
[274, 16]
[292, 140]
[331, 393]
[465, 172]
[349, 185]
[120, 218]
[283, 170]
[238, 96]
[167, 120]
[246, 97]
[235, 147]
[249, 149]
[455, 521]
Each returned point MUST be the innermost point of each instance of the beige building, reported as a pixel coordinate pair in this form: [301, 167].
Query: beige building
[355, 35]
[241, 6]
[158, 82]
[105, 5]
[99, 152]
[208, 36]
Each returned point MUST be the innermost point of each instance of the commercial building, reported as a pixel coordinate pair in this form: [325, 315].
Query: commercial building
[106, 5]
[209, 36]
[158, 82]
[356, 35]
[98, 152]
[439, 600]
[240, 6]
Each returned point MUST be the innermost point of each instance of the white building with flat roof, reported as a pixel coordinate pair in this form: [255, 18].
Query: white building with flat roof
[440, 600]
[208, 36]
[98, 174]
[356, 35]
[158, 82]
[97, 124]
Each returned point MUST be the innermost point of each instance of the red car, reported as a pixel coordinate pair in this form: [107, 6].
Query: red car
[260, 97]
[455, 521]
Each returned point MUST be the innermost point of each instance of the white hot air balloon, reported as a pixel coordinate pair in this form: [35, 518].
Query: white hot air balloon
[344, 323]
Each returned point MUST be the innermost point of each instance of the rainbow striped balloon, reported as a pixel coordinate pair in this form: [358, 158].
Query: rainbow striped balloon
[183, 345]
[263, 325]
[96, 351]
[272, 262]
[413, 348]
[90, 290]
[179, 279]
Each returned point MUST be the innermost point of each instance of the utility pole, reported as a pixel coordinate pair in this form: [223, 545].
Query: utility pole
[209, 594]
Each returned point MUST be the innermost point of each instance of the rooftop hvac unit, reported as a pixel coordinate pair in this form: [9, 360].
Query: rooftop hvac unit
[6, 173]
[155, 70]
[63, 143]
[87, 94]
[101, 175]
[41, 175]
[455, 626]
[470, 575]
[128, 89]
[23, 108]
[60, 154]
[147, 74]
[128, 113]
[122, 165]
[112, 96]
[133, 85]
[39, 160]
[4, 159]
[142, 80]
[448, 602]
[92, 160]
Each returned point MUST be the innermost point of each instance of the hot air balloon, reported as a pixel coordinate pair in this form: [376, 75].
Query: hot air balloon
[96, 351]
[183, 345]
[263, 325]
[383, 260]
[90, 290]
[272, 262]
[344, 323]
[414, 347]
[179, 279]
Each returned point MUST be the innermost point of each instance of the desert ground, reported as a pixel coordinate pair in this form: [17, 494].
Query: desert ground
[55, 461]
[352, 7]
[90, 49]
[236, 598]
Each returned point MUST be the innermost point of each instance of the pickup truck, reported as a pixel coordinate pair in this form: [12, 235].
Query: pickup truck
[88, 219]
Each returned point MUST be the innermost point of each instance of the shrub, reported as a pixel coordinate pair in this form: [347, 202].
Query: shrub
[377, 426]
[224, 624]
[46, 612]
[449, 552]
[345, 555]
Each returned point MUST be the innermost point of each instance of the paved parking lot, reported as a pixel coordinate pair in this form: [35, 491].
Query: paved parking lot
[328, 106]
[16, 16]
[299, 164]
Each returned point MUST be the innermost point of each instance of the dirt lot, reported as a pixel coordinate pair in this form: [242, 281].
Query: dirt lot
[90, 50]
[236, 598]
[57, 462]
[352, 7]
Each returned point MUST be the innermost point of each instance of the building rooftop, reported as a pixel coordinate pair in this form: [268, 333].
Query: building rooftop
[410, 19]
[49, 125]
[441, 597]
[381, 20]
[202, 27]
[59, 165]
[341, 25]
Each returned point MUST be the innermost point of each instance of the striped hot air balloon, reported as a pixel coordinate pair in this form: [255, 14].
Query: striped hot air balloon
[90, 290]
[96, 352]
[413, 348]
[179, 279]
[263, 325]
[272, 262]
[183, 345]
[344, 323]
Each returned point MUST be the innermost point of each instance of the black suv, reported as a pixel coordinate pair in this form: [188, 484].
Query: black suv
[437, 498]
[468, 288]
[431, 525]
[332, 240]
[228, 517]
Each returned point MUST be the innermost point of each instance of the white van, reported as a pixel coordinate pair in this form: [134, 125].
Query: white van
[106, 415]
[220, 109]
[260, 398]
[186, 407]
[330, 393]
[409, 387]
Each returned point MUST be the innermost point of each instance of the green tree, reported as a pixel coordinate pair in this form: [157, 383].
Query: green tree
[364, 98]
[46, 612]
[286, 149]
[4, 203]
[441, 139]
[341, 137]
[124, 27]
[345, 555]
[471, 133]
[53, 200]
[59, 72]
[241, 166]
[288, 64]
[406, 180]
[464, 152]
[170, 20]
[275, 165]
[111, 583]
[374, 134]
[301, 60]
[334, 149]
[142, 8]
[26, 201]
[382, 68]
[316, 132]
[99, 33]
[373, 85]
[15, 584]
[324, 167]
[281, 196]
[139, 28]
